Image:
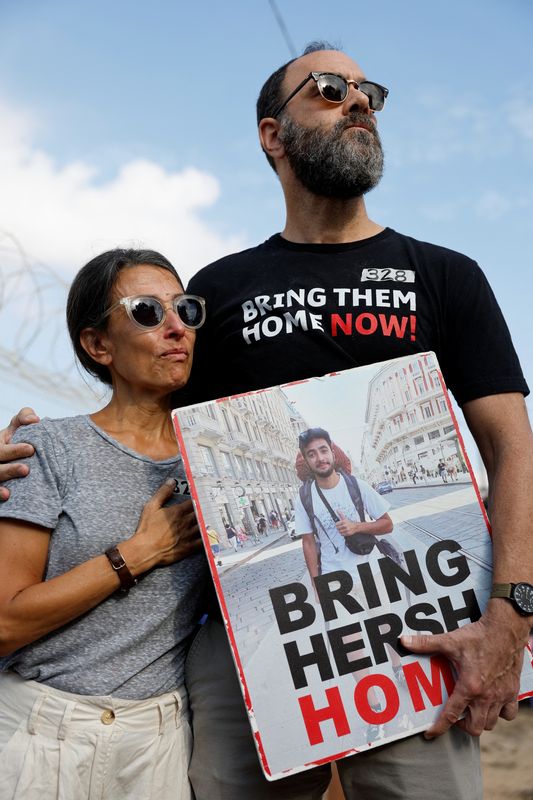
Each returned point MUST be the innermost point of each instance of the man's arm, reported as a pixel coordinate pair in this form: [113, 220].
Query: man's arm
[311, 555]
[488, 654]
[312, 559]
[375, 527]
[10, 452]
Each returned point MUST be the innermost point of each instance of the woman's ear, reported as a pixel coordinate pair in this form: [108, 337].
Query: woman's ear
[96, 344]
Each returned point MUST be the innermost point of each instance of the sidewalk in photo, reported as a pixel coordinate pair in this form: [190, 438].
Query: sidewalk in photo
[231, 558]
[462, 478]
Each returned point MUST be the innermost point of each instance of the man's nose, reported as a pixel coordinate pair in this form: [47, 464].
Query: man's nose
[356, 100]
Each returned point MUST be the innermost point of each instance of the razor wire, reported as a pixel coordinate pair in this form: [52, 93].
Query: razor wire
[34, 346]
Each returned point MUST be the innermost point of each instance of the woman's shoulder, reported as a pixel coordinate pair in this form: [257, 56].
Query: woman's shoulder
[62, 430]
[58, 443]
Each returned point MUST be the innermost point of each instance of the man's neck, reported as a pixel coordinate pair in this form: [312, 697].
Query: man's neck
[328, 483]
[322, 220]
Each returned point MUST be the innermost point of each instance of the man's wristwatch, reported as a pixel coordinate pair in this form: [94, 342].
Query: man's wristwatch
[519, 594]
[127, 580]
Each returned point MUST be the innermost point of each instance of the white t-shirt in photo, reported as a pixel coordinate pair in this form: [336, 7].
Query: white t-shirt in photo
[334, 553]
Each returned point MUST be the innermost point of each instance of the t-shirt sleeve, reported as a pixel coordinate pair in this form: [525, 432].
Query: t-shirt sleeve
[37, 498]
[373, 502]
[302, 523]
[478, 357]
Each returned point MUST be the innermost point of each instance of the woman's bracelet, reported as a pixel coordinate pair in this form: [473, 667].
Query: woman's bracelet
[127, 580]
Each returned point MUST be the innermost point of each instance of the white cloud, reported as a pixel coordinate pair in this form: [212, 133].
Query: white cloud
[441, 130]
[492, 205]
[521, 118]
[63, 215]
[55, 218]
[440, 212]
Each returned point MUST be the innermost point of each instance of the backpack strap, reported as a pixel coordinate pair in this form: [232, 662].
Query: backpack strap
[306, 496]
[355, 494]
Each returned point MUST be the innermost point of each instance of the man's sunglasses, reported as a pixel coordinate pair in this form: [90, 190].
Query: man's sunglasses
[335, 88]
[149, 313]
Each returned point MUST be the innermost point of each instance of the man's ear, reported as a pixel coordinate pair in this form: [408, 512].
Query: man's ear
[269, 137]
[96, 344]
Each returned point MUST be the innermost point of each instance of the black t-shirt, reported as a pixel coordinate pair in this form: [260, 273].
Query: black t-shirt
[282, 311]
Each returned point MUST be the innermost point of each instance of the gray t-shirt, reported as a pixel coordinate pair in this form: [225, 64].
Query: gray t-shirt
[90, 490]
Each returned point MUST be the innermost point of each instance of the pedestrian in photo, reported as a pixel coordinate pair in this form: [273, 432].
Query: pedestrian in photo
[261, 526]
[231, 533]
[213, 538]
[241, 536]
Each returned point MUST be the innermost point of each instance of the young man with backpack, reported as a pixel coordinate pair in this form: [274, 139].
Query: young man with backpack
[338, 516]
[341, 519]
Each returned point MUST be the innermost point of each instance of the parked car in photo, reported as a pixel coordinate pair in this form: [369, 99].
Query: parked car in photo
[384, 487]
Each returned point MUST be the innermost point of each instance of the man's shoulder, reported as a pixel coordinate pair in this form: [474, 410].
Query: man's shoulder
[430, 250]
[218, 272]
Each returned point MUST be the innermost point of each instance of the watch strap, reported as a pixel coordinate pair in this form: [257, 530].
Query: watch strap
[502, 590]
[127, 580]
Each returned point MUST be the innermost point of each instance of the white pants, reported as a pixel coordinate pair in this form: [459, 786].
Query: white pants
[60, 746]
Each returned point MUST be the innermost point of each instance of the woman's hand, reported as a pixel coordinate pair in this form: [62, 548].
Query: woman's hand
[165, 534]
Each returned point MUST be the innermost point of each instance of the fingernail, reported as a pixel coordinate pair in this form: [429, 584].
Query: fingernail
[170, 482]
[407, 640]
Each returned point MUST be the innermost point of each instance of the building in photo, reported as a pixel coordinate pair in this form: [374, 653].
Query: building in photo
[410, 431]
[244, 454]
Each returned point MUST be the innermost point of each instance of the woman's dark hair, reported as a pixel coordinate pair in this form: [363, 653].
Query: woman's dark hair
[90, 295]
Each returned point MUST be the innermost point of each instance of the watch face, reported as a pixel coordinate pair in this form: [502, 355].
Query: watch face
[523, 597]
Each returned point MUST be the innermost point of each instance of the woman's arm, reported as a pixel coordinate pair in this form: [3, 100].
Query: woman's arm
[31, 607]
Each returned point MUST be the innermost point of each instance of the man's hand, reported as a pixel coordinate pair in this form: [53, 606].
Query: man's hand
[375, 527]
[10, 452]
[487, 656]
[346, 527]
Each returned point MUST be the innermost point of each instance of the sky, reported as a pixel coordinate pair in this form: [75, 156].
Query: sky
[131, 123]
[337, 403]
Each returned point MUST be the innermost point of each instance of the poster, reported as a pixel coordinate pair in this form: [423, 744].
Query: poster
[321, 668]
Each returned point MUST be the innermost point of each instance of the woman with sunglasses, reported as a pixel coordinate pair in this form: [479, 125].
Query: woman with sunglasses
[102, 574]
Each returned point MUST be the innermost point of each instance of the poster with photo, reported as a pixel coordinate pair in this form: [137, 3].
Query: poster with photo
[339, 513]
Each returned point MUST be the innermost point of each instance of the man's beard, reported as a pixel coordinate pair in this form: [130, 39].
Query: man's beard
[334, 163]
[324, 473]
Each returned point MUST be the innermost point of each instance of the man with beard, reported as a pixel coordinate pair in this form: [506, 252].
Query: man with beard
[325, 510]
[331, 510]
[336, 290]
